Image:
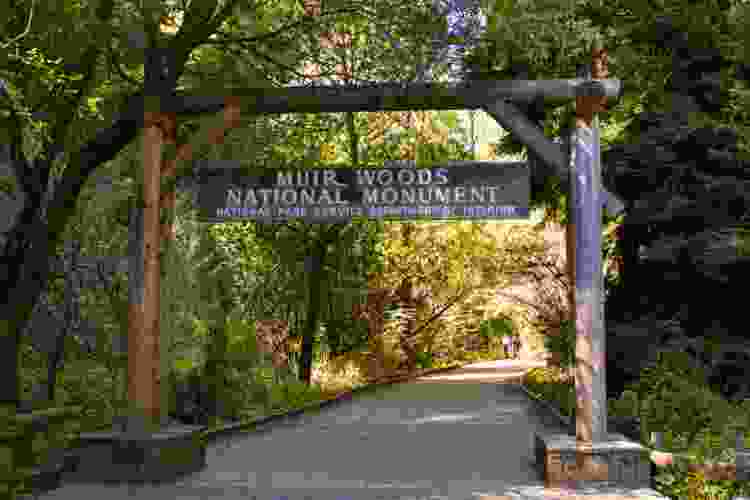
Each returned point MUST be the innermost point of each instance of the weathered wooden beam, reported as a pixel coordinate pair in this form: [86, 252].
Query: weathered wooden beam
[496, 97]
[395, 97]
[553, 160]
[591, 401]
[143, 339]
[511, 118]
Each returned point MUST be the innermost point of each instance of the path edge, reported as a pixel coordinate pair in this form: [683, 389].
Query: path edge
[253, 425]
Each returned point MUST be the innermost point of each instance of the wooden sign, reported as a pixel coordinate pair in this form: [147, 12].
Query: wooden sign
[453, 190]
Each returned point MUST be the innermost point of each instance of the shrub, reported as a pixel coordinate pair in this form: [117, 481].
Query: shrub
[549, 384]
[626, 406]
[497, 327]
[563, 344]
[335, 372]
[672, 395]
[540, 376]
[424, 360]
[474, 357]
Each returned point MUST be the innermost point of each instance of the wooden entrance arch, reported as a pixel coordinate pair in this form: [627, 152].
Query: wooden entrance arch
[495, 97]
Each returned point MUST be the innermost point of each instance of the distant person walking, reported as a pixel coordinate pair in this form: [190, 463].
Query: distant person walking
[507, 346]
[517, 346]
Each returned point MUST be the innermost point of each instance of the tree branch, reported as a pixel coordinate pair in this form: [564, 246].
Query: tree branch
[106, 144]
[284, 29]
[192, 34]
[540, 309]
[90, 58]
[459, 297]
[104, 147]
[25, 31]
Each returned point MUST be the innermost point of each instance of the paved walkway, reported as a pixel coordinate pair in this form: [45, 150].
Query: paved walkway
[458, 435]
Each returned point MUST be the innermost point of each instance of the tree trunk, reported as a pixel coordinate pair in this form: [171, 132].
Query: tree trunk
[24, 272]
[408, 305]
[313, 315]
[72, 305]
[424, 312]
[10, 327]
[409, 323]
[215, 365]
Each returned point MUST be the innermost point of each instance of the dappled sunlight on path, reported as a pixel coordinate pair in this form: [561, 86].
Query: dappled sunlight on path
[486, 372]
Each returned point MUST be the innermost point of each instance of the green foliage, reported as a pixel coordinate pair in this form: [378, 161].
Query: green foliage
[540, 376]
[424, 360]
[474, 357]
[437, 153]
[294, 394]
[625, 406]
[674, 481]
[345, 335]
[671, 396]
[554, 40]
[242, 349]
[457, 265]
[660, 383]
[497, 327]
[256, 271]
[546, 383]
[563, 344]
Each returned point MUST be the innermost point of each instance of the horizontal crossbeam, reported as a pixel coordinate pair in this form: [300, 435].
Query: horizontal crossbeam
[496, 97]
[396, 97]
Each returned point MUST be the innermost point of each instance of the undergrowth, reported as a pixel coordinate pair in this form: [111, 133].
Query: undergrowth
[699, 425]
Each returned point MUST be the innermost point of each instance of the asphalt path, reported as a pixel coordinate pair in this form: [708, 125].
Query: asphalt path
[457, 435]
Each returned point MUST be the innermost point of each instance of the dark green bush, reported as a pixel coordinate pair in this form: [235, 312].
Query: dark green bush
[672, 395]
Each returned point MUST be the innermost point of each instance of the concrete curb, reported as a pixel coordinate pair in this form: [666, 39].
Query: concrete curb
[251, 425]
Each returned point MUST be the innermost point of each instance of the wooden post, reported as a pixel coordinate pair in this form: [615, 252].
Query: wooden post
[143, 339]
[570, 235]
[590, 379]
[148, 232]
[144, 359]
